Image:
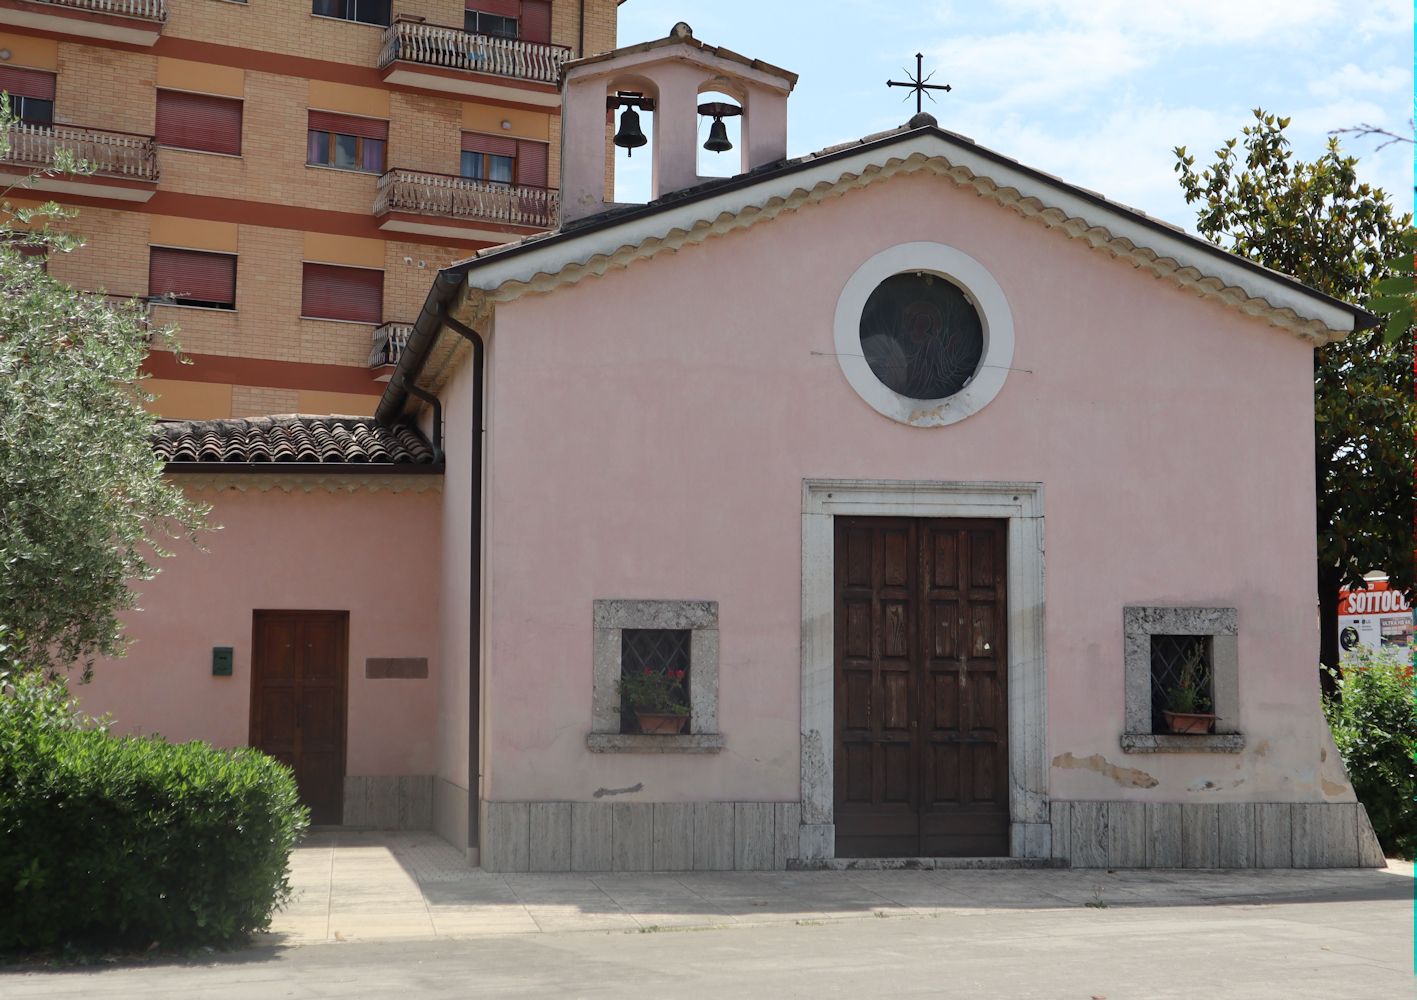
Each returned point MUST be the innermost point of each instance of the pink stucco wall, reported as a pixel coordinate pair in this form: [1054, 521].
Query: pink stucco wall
[375, 555]
[453, 597]
[650, 431]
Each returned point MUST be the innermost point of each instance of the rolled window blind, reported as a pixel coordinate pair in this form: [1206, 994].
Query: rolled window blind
[536, 20]
[199, 121]
[492, 145]
[329, 121]
[502, 8]
[531, 163]
[192, 275]
[27, 83]
[348, 293]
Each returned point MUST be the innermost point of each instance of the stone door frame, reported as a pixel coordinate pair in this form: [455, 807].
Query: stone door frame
[1022, 504]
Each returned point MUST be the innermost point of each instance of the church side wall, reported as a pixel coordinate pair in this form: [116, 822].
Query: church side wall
[451, 783]
[372, 554]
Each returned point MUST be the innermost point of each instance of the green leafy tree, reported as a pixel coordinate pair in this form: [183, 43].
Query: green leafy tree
[84, 505]
[1317, 222]
[1374, 726]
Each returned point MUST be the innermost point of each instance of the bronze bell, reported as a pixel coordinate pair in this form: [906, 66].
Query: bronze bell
[717, 141]
[630, 137]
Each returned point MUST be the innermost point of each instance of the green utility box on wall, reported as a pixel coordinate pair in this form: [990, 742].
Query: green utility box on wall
[221, 661]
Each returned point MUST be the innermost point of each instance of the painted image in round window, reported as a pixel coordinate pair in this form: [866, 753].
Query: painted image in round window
[921, 336]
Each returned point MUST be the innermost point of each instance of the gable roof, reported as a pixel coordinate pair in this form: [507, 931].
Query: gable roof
[291, 442]
[624, 234]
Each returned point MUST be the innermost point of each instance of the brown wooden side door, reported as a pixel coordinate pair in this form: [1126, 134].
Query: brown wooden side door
[299, 666]
[921, 721]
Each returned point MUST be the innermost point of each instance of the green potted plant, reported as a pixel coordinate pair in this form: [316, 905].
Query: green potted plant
[658, 699]
[1188, 704]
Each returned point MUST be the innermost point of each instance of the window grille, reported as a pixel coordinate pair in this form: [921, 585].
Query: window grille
[659, 649]
[1181, 677]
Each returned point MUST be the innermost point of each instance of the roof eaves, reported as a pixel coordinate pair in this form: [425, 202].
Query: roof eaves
[450, 279]
[880, 141]
[307, 468]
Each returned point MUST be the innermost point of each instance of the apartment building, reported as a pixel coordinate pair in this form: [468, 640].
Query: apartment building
[280, 179]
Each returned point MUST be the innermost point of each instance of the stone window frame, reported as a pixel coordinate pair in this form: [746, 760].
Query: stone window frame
[1221, 626]
[983, 292]
[610, 617]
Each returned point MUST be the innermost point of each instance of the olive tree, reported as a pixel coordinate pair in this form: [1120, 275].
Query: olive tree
[84, 505]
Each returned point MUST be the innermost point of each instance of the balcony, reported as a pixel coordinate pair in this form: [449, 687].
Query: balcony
[450, 60]
[132, 22]
[410, 201]
[119, 165]
[386, 347]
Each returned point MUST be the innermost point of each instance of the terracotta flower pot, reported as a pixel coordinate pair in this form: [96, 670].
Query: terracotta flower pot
[1189, 723]
[660, 724]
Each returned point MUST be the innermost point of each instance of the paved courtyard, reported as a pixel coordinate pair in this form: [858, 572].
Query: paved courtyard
[381, 916]
[363, 887]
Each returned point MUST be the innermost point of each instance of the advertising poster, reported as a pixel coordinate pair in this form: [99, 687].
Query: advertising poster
[1374, 617]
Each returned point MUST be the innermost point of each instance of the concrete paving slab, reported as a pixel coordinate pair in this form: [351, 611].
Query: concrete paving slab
[402, 885]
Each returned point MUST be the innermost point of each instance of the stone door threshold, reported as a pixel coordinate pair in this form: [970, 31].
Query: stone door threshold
[919, 864]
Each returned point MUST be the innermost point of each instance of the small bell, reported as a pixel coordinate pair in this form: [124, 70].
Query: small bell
[630, 137]
[717, 141]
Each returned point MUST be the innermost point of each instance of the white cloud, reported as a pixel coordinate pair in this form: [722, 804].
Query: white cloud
[1207, 22]
[1053, 69]
[1351, 79]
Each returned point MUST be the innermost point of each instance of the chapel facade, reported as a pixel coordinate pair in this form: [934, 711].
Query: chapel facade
[931, 491]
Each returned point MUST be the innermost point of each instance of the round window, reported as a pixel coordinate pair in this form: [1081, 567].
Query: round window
[921, 336]
[924, 334]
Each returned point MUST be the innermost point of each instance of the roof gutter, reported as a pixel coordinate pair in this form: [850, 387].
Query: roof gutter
[420, 343]
[437, 405]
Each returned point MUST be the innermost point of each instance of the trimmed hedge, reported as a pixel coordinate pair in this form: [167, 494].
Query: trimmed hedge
[1374, 723]
[125, 842]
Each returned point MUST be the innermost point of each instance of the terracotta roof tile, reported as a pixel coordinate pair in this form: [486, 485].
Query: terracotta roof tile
[291, 438]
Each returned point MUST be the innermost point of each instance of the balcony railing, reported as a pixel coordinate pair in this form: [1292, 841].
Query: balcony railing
[110, 154]
[388, 343]
[453, 48]
[146, 10]
[463, 198]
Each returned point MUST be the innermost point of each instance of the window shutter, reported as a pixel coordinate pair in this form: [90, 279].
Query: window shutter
[536, 20]
[502, 8]
[27, 83]
[492, 145]
[369, 128]
[531, 163]
[350, 293]
[192, 274]
[198, 121]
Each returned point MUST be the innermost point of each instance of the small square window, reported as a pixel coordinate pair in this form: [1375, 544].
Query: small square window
[364, 11]
[498, 25]
[1181, 672]
[661, 652]
[1182, 684]
[655, 664]
[33, 111]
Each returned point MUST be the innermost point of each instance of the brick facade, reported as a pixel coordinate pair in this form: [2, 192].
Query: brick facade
[267, 204]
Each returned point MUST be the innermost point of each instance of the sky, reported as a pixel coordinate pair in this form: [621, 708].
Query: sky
[1097, 92]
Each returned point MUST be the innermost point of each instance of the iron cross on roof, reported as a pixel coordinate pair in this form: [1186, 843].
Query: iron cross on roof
[920, 84]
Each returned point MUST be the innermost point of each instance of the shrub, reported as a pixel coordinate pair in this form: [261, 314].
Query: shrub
[1374, 723]
[123, 842]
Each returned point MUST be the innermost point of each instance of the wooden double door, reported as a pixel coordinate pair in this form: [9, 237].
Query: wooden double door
[299, 664]
[921, 699]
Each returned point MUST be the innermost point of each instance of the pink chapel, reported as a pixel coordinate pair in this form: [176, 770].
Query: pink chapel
[956, 512]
